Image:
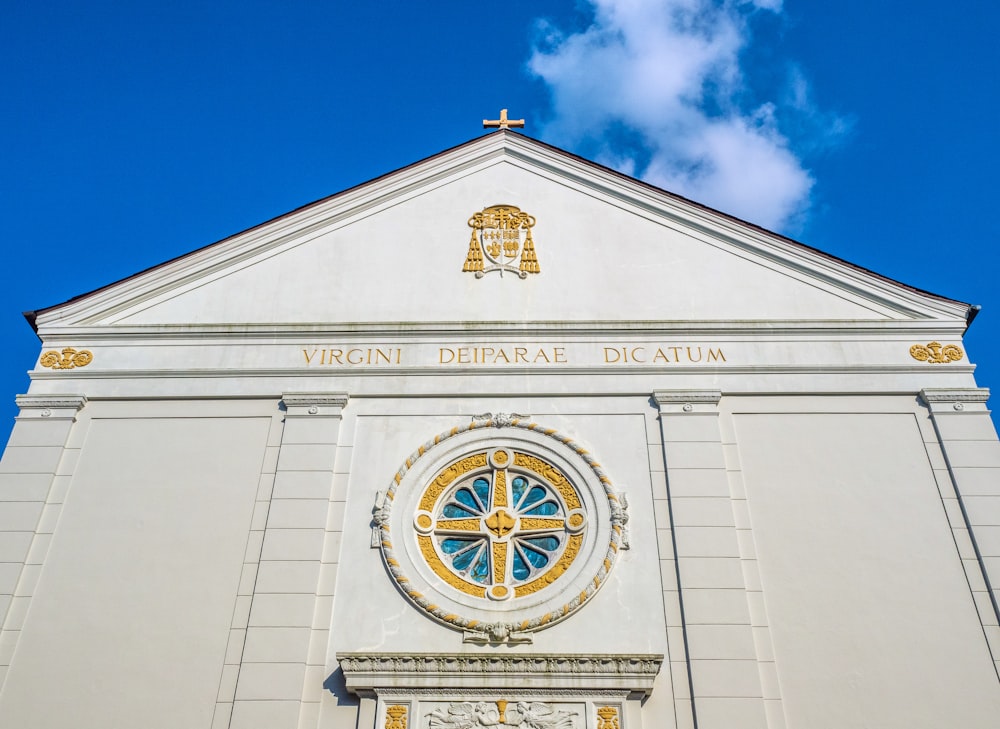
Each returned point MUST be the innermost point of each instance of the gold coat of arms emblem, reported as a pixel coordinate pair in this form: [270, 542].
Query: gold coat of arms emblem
[501, 241]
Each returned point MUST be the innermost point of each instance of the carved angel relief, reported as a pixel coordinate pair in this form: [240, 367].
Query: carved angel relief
[500, 714]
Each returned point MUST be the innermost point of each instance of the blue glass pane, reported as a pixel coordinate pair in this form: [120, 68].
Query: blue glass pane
[547, 509]
[520, 485]
[465, 497]
[548, 543]
[482, 487]
[520, 568]
[450, 546]
[536, 558]
[536, 494]
[464, 559]
[481, 567]
[454, 511]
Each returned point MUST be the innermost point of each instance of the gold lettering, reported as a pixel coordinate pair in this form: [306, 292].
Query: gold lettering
[357, 356]
[531, 354]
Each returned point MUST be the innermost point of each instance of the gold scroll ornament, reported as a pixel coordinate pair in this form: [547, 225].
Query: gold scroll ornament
[935, 353]
[67, 360]
[501, 241]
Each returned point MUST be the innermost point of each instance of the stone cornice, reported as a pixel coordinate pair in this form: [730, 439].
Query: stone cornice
[571, 693]
[312, 404]
[50, 401]
[337, 399]
[663, 397]
[56, 334]
[49, 406]
[955, 400]
[971, 394]
[367, 672]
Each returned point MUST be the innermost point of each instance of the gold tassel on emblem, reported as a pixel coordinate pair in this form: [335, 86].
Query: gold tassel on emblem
[474, 261]
[529, 261]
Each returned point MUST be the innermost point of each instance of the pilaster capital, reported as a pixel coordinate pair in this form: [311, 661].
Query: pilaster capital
[53, 407]
[956, 400]
[687, 401]
[314, 404]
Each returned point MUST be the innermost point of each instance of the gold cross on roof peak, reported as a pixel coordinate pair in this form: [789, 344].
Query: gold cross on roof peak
[503, 122]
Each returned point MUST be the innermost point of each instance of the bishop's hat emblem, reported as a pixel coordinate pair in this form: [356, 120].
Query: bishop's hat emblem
[501, 241]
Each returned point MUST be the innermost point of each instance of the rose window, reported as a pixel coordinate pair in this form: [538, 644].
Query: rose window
[500, 524]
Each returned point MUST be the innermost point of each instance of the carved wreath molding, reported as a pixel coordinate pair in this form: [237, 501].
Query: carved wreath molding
[480, 631]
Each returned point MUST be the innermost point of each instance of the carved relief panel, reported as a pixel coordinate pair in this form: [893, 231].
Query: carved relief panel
[514, 712]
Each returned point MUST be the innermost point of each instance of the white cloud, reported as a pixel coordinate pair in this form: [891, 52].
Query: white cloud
[655, 88]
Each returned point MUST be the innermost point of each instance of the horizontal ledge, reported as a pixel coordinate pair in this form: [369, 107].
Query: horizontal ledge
[955, 394]
[365, 672]
[366, 330]
[487, 370]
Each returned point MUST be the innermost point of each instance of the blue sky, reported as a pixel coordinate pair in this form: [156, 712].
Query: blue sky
[134, 133]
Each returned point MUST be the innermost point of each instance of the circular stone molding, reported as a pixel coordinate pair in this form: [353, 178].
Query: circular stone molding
[500, 528]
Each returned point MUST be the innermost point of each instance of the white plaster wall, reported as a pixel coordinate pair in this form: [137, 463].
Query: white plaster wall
[130, 620]
[870, 613]
[598, 261]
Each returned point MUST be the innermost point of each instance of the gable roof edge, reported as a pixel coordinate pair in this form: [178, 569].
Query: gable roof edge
[779, 249]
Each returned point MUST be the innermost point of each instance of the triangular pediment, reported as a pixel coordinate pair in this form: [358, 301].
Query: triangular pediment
[609, 248]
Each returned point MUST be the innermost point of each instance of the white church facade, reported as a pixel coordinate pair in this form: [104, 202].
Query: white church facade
[501, 439]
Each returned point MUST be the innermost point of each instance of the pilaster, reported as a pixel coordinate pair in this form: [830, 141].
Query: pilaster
[282, 661]
[34, 476]
[723, 668]
[972, 456]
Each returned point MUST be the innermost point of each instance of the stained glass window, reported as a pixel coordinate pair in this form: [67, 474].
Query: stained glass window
[505, 524]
